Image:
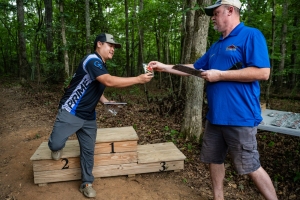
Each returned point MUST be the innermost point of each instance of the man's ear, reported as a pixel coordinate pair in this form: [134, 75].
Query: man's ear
[230, 10]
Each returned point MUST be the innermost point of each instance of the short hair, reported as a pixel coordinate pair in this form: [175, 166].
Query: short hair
[237, 10]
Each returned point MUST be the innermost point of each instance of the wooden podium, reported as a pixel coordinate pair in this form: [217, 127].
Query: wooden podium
[116, 153]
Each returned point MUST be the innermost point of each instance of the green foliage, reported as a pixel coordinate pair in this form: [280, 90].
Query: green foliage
[189, 146]
[297, 176]
[135, 90]
[271, 144]
[37, 136]
[278, 177]
[67, 82]
[162, 25]
[172, 135]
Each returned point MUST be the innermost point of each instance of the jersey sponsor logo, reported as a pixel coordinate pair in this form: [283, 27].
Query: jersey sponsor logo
[71, 104]
[98, 64]
[87, 59]
[231, 48]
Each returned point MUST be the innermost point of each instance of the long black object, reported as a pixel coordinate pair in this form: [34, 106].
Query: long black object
[196, 72]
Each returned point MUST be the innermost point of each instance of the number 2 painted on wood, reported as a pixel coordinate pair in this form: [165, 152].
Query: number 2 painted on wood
[66, 166]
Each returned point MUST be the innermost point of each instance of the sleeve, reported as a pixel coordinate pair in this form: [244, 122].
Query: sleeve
[256, 51]
[95, 68]
[202, 62]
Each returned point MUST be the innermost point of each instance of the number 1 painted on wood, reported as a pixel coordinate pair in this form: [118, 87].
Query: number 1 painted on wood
[112, 148]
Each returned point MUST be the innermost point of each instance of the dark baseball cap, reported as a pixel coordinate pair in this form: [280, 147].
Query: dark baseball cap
[210, 9]
[105, 37]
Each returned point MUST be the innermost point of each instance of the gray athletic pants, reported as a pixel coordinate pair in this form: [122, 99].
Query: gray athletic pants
[67, 124]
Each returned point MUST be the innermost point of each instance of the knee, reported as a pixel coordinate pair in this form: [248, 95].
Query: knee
[55, 146]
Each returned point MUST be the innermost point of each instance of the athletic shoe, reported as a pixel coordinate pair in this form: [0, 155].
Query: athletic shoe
[88, 190]
[56, 155]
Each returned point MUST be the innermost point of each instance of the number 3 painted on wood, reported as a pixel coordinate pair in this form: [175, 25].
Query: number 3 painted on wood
[163, 165]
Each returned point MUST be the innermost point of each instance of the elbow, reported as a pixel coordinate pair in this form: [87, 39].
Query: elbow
[110, 84]
[265, 75]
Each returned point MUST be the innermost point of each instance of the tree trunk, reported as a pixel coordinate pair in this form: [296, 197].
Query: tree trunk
[267, 96]
[132, 57]
[283, 45]
[158, 45]
[188, 33]
[103, 25]
[295, 47]
[196, 27]
[63, 34]
[87, 26]
[48, 23]
[23, 63]
[127, 38]
[37, 45]
[141, 42]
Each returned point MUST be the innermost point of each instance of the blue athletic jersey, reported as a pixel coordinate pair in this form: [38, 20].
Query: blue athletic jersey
[235, 103]
[84, 91]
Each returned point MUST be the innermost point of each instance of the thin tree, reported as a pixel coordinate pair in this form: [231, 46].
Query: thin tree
[272, 51]
[23, 63]
[283, 44]
[127, 38]
[87, 26]
[63, 34]
[48, 24]
[141, 39]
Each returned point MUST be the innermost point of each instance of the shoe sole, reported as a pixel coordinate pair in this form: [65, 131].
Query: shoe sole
[58, 157]
[82, 191]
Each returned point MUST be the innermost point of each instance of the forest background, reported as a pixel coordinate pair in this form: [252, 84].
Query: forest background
[43, 41]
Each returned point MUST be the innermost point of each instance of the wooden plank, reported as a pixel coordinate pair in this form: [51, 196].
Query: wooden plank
[73, 163]
[56, 176]
[43, 152]
[110, 147]
[115, 158]
[106, 171]
[72, 149]
[127, 169]
[116, 134]
[48, 165]
[159, 152]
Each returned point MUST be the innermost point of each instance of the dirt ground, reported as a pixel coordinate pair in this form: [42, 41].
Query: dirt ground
[27, 118]
[25, 124]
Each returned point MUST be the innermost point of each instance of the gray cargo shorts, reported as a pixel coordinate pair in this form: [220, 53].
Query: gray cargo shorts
[239, 142]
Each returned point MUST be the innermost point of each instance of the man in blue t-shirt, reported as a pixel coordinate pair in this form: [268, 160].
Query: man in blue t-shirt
[76, 112]
[233, 96]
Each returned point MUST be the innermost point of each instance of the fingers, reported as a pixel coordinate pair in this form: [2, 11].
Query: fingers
[144, 78]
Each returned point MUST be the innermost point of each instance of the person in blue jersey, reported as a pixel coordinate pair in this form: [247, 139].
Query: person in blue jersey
[233, 97]
[76, 112]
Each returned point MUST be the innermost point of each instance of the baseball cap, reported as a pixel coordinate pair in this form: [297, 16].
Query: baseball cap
[209, 10]
[105, 37]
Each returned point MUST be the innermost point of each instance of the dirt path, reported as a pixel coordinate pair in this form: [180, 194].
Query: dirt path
[26, 123]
